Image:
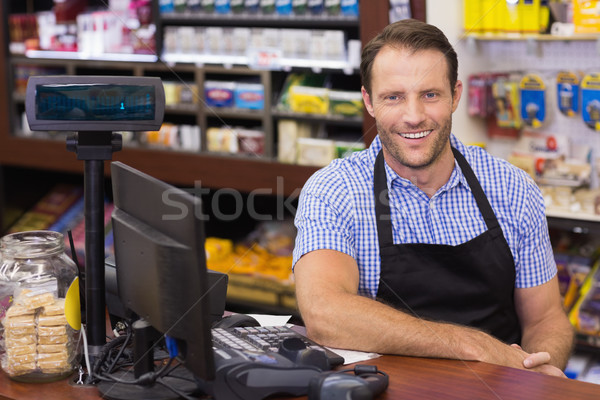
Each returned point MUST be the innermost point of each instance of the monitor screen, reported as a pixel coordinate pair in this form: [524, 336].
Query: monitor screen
[161, 262]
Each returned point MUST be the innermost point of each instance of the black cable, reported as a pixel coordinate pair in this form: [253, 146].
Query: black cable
[121, 350]
[144, 380]
[95, 372]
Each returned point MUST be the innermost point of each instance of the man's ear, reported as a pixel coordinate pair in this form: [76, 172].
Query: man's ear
[367, 100]
[457, 93]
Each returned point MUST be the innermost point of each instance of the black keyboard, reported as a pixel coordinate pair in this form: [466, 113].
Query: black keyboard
[253, 363]
[264, 340]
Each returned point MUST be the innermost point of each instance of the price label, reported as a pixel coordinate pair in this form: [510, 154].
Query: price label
[265, 59]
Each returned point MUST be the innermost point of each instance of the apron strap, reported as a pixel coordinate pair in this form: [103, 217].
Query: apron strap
[382, 205]
[482, 201]
[383, 215]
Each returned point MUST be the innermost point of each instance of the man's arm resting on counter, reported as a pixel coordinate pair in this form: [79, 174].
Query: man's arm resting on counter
[544, 323]
[335, 315]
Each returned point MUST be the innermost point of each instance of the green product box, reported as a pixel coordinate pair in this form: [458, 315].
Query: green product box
[348, 104]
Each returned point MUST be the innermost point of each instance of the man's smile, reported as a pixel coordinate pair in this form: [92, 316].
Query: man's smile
[416, 135]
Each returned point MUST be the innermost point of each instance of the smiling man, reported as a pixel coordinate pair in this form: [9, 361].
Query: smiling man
[420, 245]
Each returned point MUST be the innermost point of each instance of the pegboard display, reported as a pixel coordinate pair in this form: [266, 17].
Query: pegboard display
[547, 58]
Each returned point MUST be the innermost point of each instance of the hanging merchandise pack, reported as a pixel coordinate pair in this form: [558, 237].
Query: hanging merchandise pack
[39, 307]
[590, 101]
[533, 104]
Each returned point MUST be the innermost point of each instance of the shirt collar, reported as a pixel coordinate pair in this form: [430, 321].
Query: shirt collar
[455, 178]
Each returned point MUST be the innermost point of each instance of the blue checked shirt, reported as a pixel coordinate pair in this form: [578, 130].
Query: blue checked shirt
[336, 211]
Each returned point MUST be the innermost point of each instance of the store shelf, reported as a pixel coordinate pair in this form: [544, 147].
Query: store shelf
[529, 36]
[73, 55]
[227, 112]
[285, 64]
[330, 119]
[180, 168]
[574, 222]
[261, 20]
[182, 109]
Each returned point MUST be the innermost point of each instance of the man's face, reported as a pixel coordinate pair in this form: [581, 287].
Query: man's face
[412, 103]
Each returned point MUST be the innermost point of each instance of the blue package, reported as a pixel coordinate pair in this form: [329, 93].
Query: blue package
[166, 6]
[283, 7]
[219, 93]
[250, 96]
[350, 8]
[252, 6]
[316, 6]
[222, 6]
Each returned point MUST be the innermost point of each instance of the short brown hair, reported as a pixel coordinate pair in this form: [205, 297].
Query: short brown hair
[410, 34]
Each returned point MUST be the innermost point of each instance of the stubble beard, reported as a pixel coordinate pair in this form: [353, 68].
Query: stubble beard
[399, 153]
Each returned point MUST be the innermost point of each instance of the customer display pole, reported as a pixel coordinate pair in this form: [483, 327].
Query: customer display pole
[95, 107]
[94, 148]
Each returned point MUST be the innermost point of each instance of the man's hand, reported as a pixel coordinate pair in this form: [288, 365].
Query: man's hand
[540, 362]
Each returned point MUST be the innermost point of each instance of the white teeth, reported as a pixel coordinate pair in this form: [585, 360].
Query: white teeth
[417, 135]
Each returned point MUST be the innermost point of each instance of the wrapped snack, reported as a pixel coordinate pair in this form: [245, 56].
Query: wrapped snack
[42, 321]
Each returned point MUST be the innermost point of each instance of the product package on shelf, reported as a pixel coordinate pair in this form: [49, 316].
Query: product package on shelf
[288, 133]
[590, 100]
[260, 267]
[174, 137]
[491, 16]
[236, 140]
[49, 209]
[552, 159]
[585, 315]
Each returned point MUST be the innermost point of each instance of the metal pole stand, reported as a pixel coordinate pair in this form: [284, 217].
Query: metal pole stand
[94, 148]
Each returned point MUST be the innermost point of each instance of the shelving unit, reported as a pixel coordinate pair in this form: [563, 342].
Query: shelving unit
[242, 173]
[183, 168]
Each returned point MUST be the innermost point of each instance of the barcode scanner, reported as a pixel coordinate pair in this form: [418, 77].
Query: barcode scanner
[366, 383]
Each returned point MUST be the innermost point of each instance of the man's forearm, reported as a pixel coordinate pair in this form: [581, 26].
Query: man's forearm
[354, 322]
[555, 336]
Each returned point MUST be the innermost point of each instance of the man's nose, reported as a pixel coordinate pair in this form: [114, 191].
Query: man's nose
[414, 113]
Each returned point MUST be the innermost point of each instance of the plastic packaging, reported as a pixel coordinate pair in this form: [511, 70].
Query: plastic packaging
[39, 307]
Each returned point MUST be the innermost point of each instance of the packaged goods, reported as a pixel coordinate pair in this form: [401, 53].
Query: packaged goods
[316, 152]
[41, 325]
[249, 95]
[345, 103]
[219, 93]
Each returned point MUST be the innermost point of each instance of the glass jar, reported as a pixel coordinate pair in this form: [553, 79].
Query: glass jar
[39, 307]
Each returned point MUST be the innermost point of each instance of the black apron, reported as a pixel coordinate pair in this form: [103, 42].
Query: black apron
[469, 284]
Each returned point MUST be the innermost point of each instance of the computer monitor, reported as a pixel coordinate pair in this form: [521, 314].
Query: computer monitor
[161, 263]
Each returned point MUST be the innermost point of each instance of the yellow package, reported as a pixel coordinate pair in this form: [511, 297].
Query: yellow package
[472, 14]
[529, 14]
[311, 100]
[586, 16]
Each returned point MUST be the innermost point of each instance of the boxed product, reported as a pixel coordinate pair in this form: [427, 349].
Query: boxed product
[240, 38]
[345, 103]
[346, 148]
[316, 152]
[251, 142]
[288, 132]
[250, 95]
[221, 140]
[219, 93]
[308, 99]
[586, 16]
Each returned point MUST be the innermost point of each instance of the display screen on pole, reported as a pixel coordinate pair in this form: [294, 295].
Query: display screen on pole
[94, 103]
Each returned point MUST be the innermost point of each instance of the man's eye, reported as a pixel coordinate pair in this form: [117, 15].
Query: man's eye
[393, 97]
[430, 95]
